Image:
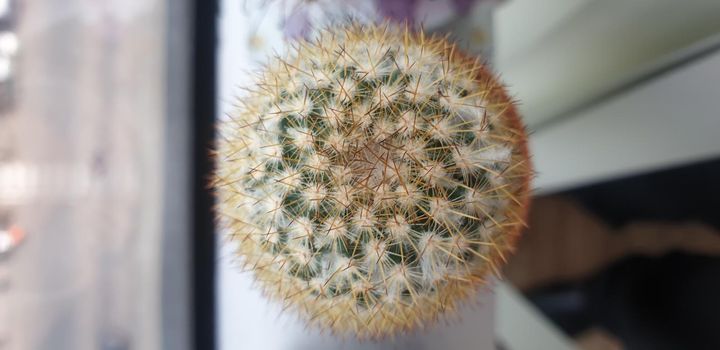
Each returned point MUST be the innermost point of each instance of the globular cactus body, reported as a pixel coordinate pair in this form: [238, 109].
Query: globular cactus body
[373, 179]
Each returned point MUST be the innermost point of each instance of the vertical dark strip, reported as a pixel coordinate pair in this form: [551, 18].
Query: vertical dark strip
[203, 118]
[177, 273]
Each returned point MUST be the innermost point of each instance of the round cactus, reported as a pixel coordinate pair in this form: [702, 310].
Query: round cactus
[374, 178]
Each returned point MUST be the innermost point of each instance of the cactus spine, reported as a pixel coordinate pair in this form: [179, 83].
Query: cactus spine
[373, 179]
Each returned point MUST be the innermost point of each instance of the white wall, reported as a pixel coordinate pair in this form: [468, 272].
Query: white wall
[558, 54]
[668, 121]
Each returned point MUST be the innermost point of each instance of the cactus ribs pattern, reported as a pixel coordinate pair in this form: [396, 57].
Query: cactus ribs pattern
[373, 179]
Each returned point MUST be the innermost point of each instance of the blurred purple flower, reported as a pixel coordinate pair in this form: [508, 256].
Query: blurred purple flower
[300, 21]
[297, 24]
[304, 15]
[399, 10]
[462, 6]
[406, 10]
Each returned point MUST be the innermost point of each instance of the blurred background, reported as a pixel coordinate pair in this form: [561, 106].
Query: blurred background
[107, 112]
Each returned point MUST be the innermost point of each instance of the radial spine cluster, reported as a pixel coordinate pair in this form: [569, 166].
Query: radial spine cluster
[373, 178]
